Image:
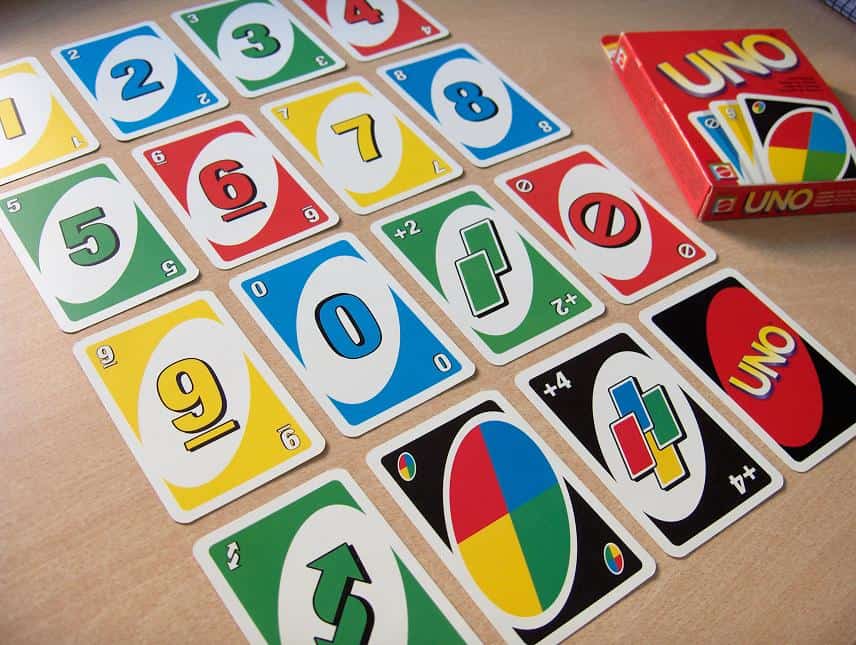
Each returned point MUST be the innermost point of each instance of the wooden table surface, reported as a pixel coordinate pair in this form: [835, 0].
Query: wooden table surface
[87, 552]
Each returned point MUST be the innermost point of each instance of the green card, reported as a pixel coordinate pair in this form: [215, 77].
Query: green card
[499, 285]
[258, 45]
[91, 245]
[320, 564]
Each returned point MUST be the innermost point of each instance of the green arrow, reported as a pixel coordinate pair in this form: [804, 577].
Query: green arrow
[332, 600]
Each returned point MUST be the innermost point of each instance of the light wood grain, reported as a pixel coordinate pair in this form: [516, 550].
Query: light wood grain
[88, 554]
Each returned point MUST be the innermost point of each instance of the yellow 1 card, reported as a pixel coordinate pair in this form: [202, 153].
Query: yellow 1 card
[361, 144]
[38, 127]
[201, 411]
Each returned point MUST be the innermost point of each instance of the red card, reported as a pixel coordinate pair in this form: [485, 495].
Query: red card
[617, 232]
[234, 191]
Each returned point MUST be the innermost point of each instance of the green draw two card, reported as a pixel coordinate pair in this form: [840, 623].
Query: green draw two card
[499, 285]
[532, 546]
[320, 564]
[91, 245]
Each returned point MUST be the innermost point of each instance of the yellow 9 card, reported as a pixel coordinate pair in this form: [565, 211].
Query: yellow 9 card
[203, 414]
[38, 127]
[361, 144]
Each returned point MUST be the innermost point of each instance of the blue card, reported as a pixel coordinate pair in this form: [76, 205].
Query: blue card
[138, 81]
[481, 111]
[360, 343]
[716, 137]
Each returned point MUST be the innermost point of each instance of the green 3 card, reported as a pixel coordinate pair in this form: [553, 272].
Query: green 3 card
[91, 245]
[499, 285]
[320, 564]
[258, 45]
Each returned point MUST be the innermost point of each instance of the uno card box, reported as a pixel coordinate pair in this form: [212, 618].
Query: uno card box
[747, 125]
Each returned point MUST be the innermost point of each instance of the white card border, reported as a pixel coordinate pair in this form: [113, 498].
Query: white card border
[51, 301]
[218, 102]
[455, 169]
[236, 608]
[647, 318]
[708, 257]
[597, 307]
[676, 551]
[563, 129]
[496, 617]
[467, 367]
[175, 511]
[72, 114]
[337, 61]
[204, 244]
[442, 32]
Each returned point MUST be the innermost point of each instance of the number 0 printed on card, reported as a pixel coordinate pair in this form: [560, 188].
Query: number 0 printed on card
[200, 410]
[38, 127]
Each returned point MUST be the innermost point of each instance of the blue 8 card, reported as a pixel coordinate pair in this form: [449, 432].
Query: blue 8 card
[138, 81]
[481, 111]
[360, 343]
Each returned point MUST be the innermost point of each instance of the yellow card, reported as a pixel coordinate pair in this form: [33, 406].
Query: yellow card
[203, 414]
[38, 127]
[361, 144]
[731, 118]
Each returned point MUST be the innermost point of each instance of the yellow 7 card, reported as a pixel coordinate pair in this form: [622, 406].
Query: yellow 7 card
[38, 127]
[203, 414]
[361, 144]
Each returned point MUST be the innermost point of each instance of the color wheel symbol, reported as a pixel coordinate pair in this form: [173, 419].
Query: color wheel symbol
[406, 466]
[807, 145]
[647, 433]
[613, 558]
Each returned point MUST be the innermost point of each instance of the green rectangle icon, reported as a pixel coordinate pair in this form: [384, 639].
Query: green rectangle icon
[666, 429]
[481, 286]
[483, 235]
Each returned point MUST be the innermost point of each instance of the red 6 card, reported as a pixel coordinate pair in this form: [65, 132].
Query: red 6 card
[234, 191]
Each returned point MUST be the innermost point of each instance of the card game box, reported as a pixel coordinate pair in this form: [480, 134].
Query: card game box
[747, 125]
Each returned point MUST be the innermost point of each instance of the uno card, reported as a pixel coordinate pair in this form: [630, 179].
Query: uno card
[714, 134]
[537, 552]
[361, 144]
[494, 280]
[620, 235]
[481, 111]
[371, 29]
[319, 564]
[202, 413]
[731, 119]
[234, 191]
[258, 45]
[91, 245]
[137, 80]
[38, 126]
[667, 455]
[798, 139]
[785, 385]
[360, 343]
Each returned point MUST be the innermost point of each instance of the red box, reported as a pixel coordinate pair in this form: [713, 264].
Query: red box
[671, 74]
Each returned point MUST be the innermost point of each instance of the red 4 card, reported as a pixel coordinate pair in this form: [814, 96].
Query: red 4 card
[617, 232]
[370, 29]
[234, 191]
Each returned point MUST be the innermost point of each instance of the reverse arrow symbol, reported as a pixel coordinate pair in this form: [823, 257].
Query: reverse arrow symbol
[232, 555]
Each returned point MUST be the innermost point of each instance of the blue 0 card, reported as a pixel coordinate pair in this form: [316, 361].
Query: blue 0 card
[138, 81]
[359, 342]
[481, 111]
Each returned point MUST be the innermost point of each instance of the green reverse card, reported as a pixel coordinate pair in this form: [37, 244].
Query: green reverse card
[499, 285]
[258, 45]
[320, 564]
[91, 245]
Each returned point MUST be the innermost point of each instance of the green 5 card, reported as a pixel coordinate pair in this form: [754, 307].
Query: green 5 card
[258, 45]
[320, 564]
[91, 245]
[499, 285]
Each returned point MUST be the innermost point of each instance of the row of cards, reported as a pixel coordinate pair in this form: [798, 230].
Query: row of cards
[763, 139]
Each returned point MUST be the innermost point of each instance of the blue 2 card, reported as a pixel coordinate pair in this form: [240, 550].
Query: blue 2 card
[360, 343]
[137, 80]
[481, 111]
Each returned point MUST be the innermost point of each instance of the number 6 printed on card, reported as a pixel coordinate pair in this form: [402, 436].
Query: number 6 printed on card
[137, 80]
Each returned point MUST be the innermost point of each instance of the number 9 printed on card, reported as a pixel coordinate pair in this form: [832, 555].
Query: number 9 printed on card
[478, 108]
